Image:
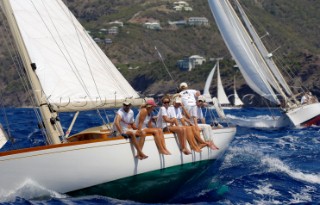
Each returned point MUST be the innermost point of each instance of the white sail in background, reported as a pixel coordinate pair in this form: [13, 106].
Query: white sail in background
[242, 48]
[206, 90]
[69, 64]
[221, 94]
[237, 100]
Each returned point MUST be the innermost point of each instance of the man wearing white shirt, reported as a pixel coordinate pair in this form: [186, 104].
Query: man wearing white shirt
[124, 125]
[197, 115]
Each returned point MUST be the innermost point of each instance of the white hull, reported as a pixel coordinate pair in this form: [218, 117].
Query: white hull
[72, 167]
[304, 114]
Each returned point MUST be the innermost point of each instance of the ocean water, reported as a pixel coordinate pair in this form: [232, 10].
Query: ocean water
[264, 164]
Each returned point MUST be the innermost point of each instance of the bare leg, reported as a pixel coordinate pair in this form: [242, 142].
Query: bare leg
[191, 139]
[134, 141]
[158, 140]
[182, 138]
[201, 142]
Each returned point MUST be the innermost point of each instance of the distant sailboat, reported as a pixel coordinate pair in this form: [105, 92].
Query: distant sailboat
[68, 72]
[237, 101]
[221, 94]
[257, 66]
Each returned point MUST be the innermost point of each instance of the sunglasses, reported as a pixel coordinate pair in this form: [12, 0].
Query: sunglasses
[200, 101]
[165, 102]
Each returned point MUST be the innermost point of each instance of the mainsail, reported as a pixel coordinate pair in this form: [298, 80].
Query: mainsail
[71, 67]
[243, 49]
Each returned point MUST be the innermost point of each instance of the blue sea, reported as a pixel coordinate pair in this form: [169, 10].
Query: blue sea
[264, 164]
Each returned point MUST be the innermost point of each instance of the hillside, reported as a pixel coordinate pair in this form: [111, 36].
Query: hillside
[293, 27]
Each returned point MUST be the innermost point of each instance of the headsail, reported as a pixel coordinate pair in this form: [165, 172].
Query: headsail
[71, 67]
[237, 100]
[206, 90]
[221, 94]
[242, 48]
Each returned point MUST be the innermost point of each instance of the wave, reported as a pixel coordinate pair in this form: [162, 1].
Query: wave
[276, 165]
[260, 121]
[29, 190]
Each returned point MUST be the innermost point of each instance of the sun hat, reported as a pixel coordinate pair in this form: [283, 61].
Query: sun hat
[183, 85]
[151, 102]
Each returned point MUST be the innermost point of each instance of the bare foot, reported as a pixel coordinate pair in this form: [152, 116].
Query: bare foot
[186, 151]
[212, 146]
[142, 156]
[203, 145]
[197, 149]
[165, 152]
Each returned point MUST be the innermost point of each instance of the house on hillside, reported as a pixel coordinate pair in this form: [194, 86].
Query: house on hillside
[177, 23]
[181, 6]
[117, 23]
[113, 30]
[198, 21]
[152, 25]
[189, 63]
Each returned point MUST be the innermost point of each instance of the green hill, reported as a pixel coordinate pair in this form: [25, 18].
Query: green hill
[293, 27]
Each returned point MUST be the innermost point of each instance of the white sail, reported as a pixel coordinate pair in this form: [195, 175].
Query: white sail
[237, 100]
[221, 94]
[69, 64]
[206, 90]
[276, 75]
[242, 48]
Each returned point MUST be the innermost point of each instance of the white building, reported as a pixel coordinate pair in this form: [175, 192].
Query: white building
[181, 5]
[152, 25]
[189, 63]
[118, 23]
[198, 21]
[113, 30]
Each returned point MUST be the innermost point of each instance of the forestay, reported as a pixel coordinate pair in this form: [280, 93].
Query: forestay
[70, 65]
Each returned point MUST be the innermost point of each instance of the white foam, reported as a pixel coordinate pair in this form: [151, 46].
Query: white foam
[29, 190]
[276, 165]
[304, 196]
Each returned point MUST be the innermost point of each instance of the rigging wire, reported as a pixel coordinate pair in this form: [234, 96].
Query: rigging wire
[160, 56]
[289, 71]
[20, 70]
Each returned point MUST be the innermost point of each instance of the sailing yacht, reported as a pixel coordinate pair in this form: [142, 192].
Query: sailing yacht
[68, 72]
[221, 94]
[257, 66]
[237, 102]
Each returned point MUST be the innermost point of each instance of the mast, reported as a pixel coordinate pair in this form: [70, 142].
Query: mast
[49, 116]
[274, 74]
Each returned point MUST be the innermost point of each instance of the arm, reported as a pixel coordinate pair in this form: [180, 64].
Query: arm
[173, 121]
[117, 123]
[142, 116]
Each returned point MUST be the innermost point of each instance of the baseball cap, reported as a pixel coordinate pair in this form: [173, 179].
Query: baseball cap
[127, 102]
[151, 102]
[184, 84]
[177, 100]
[201, 98]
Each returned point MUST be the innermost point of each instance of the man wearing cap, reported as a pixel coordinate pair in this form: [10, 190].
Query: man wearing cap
[197, 115]
[124, 125]
[188, 96]
[144, 122]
